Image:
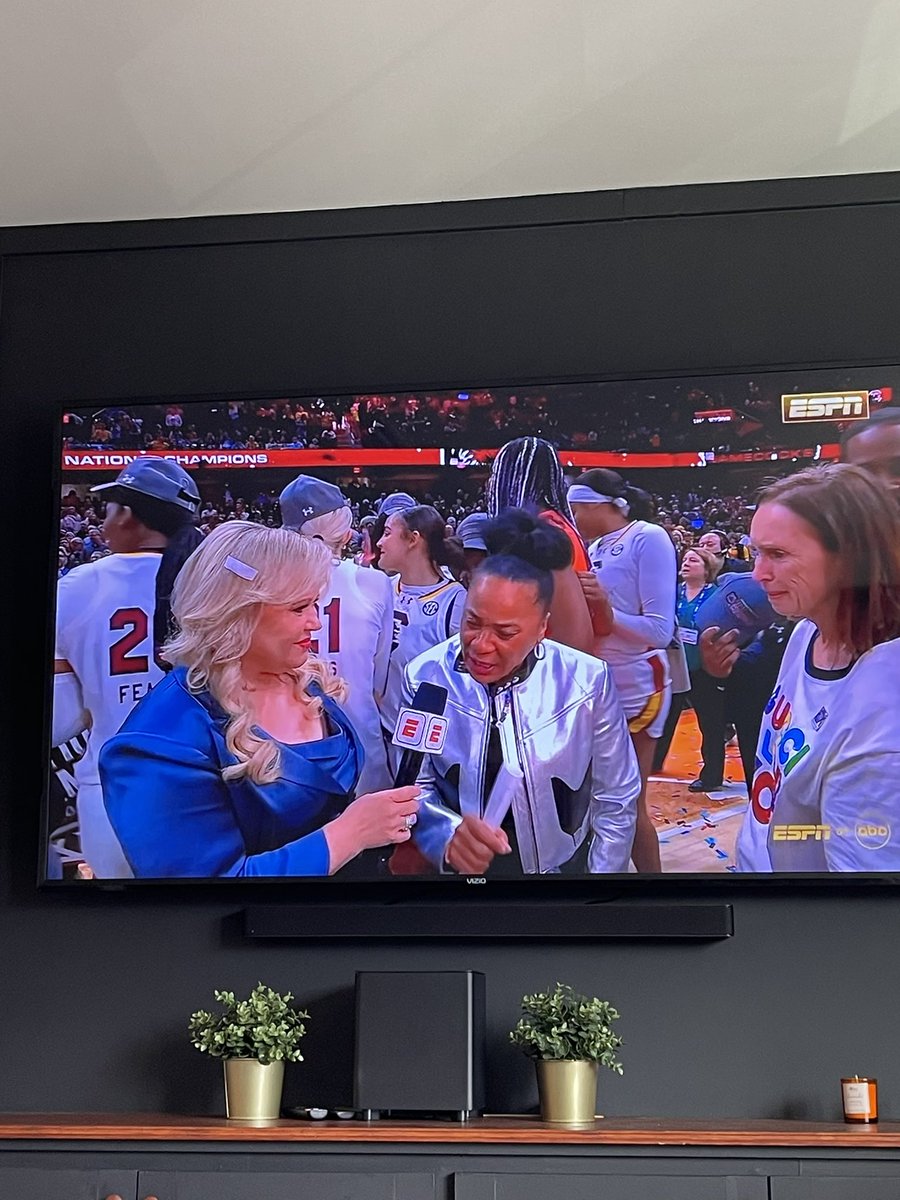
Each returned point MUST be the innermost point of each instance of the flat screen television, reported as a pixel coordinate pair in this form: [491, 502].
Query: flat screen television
[700, 446]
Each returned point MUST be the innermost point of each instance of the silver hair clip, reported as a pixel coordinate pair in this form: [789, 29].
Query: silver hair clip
[236, 567]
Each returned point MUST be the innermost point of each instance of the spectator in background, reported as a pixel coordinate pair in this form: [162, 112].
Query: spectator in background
[94, 541]
[749, 676]
[71, 523]
[699, 568]
[875, 445]
[716, 543]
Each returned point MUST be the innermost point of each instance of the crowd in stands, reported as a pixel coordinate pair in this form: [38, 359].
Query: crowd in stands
[629, 416]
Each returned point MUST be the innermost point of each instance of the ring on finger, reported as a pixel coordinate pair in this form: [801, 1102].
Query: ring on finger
[409, 821]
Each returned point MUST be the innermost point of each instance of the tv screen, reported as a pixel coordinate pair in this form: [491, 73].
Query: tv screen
[157, 772]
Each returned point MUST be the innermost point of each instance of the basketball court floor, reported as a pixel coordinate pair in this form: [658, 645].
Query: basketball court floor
[697, 830]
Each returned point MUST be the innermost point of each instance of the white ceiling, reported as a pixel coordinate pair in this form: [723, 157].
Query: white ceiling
[125, 109]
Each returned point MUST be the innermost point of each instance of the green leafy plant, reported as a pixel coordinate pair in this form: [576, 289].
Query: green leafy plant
[564, 1024]
[264, 1027]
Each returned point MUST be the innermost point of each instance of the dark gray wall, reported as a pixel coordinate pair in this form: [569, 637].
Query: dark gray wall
[95, 990]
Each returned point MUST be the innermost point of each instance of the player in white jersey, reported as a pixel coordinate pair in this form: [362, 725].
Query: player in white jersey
[824, 791]
[357, 614]
[111, 617]
[427, 606]
[634, 576]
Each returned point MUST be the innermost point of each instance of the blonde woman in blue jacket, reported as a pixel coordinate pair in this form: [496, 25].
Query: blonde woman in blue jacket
[242, 761]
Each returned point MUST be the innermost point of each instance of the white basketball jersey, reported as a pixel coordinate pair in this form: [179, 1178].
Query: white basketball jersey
[637, 567]
[104, 629]
[357, 614]
[424, 615]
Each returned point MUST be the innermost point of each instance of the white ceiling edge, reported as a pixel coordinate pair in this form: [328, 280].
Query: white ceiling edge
[193, 108]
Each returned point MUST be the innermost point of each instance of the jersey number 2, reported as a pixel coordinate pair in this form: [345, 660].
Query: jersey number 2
[135, 622]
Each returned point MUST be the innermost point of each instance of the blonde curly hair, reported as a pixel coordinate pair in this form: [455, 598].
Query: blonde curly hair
[217, 600]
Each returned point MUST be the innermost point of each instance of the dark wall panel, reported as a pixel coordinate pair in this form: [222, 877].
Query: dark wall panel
[95, 991]
[650, 295]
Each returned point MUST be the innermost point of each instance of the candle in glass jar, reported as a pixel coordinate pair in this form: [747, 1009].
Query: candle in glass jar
[859, 1095]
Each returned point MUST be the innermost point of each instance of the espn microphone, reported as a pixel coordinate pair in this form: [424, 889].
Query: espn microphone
[420, 730]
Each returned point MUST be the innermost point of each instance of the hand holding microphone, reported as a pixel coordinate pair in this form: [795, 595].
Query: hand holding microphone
[421, 729]
[376, 819]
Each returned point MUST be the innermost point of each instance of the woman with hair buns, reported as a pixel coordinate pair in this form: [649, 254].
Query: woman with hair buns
[537, 774]
[633, 578]
[242, 762]
[828, 756]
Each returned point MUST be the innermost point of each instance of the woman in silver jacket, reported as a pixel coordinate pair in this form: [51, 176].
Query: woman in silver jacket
[537, 773]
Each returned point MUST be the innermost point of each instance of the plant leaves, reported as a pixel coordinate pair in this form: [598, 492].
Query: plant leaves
[264, 1026]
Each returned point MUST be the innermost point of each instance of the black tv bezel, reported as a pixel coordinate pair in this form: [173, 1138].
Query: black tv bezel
[566, 893]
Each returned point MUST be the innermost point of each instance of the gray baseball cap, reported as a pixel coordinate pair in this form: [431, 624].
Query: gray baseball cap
[469, 531]
[396, 502]
[160, 478]
[306, 497]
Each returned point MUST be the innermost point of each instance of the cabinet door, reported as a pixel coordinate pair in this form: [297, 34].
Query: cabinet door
[840, 1187]
[600, 1186]
[44, 1183]
[282, 1185]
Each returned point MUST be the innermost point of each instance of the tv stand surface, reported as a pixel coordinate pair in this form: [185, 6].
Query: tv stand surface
[57, 1156]
[492, 1129]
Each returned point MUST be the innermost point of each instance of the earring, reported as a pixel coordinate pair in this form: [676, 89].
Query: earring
[539, 651]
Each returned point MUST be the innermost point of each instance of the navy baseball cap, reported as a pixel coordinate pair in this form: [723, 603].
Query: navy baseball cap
[160, 478]
[469, 531]
[306, 497]
[396, 502]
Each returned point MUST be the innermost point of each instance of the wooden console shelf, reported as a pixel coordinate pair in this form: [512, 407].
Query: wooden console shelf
[158, 1156]
[496, 1130]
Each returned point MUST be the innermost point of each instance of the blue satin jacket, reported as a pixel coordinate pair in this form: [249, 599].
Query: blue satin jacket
[175, 815]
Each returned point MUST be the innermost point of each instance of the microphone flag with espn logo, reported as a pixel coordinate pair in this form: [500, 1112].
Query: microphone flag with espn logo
[421, 729]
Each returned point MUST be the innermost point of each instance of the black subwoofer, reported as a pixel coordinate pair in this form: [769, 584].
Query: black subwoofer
[419, 1042]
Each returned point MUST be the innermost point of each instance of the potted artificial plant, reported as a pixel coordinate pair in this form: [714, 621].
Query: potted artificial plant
[255, 1038]
[569, 1036]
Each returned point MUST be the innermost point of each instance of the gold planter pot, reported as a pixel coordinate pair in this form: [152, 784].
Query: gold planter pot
[252, 1089]
[567, 1091]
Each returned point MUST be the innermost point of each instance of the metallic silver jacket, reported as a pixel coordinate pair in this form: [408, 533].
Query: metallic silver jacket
[569, 765]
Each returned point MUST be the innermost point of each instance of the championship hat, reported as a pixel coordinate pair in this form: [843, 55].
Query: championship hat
[160, 478]
[739, 602]
[469, 531]
[307, 497]
[396, 502]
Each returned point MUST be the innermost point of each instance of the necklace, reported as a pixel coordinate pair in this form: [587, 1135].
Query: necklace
[602, 545]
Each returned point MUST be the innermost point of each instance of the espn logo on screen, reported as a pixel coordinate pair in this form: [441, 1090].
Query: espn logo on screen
[801, 833]
[824, 406]
[420, 731]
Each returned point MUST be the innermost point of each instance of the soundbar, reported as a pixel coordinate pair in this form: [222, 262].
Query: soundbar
[525, 921]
